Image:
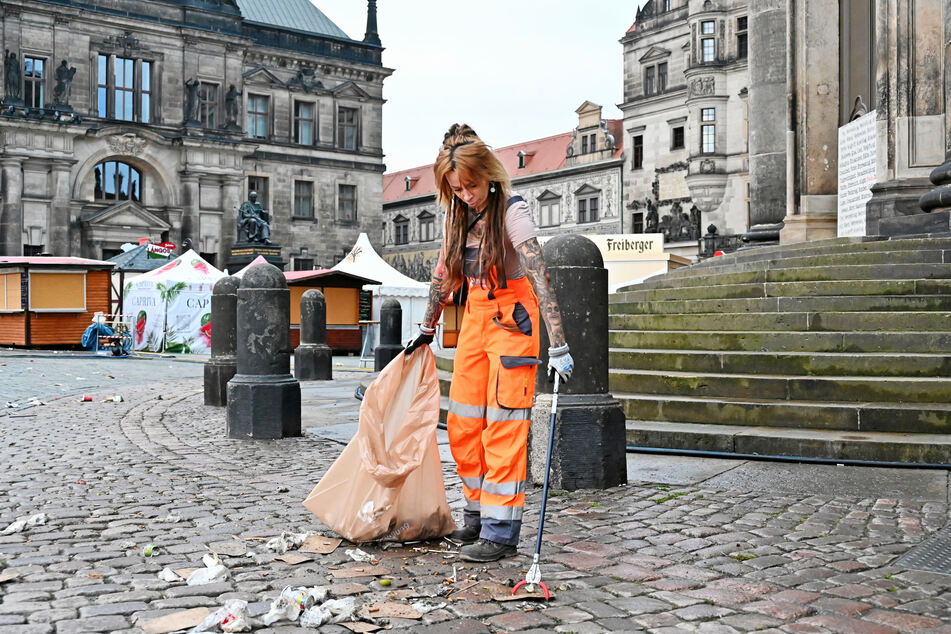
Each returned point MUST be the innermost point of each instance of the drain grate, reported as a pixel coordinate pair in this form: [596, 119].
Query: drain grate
[931, 555]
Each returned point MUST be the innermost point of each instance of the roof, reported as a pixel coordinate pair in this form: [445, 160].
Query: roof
[542, 155]
[327, 275]
[40, 260]
[137, 260]
[298, 15]
[364, 260]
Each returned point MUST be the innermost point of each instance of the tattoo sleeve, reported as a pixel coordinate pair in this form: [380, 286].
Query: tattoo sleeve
[437, 296]
[531, 259]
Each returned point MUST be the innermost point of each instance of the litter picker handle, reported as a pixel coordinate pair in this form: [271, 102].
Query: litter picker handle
[551, 441]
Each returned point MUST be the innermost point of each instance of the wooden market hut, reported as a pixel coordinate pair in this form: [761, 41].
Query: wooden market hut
[347, 305]
[50, 301]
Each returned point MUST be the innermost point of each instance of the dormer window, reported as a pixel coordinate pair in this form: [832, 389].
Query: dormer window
[523, 158]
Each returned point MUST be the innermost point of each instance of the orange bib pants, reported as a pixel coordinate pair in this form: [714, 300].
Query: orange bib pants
[491, 396]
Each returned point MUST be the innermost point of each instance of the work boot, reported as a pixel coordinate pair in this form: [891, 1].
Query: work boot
[466, 535]
[485, 550]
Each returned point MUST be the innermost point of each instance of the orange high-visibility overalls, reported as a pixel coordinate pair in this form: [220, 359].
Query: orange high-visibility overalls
[493, 387]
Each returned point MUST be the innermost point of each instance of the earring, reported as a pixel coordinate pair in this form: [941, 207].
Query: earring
[491, 188]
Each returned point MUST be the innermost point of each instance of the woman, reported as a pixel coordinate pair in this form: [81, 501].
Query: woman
[489, 241]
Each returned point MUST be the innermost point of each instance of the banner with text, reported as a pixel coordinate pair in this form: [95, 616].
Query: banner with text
[857, 154]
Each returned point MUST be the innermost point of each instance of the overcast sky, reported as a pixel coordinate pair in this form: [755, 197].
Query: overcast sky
[515, 70]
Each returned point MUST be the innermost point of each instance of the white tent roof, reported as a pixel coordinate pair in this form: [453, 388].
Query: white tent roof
[363, 260]
[258, 260]
[188, 267]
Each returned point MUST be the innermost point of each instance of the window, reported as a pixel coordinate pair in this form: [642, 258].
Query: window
[594, 142]
[303, 199]
[35, 249]
[637, 161]
[742, 44]
[662, 77]
[666, 5]
[401, 230]
[10, 291]
[677, 138]
[303, 123]
[124, 88]
[346, 203]
[588, 209]
[347, 128]
[708, 114]
[584, 143]
[208, 105]
[708, 133]
[649, 86]
[34, 78]
[521, 160]
[302, 262]
[708, 27]
[550, 213]
[257, 116]
[637, 222]
[259, 184]
[115, 180]
[427, 227]
[708, 49]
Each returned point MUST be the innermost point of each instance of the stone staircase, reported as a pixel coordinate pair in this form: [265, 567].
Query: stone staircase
[839, 349]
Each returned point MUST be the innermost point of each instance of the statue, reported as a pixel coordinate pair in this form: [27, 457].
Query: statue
[651, 220]
[254, 221]
[694, 222]
[11, 75]
[192, 101]
[232, 106]
[64, 77]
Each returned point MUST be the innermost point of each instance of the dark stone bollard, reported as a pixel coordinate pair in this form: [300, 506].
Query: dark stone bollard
[590, 439]
[391, 328]
[263, 397]
[223, 364]
[313, 358]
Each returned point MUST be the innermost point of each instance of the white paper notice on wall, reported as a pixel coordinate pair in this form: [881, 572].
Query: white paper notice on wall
[857, 155]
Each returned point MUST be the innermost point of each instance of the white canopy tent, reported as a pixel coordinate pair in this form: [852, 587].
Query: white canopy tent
[413, 296]
[171, 306]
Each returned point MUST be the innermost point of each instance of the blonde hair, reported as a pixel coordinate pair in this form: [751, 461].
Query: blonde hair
[466, 154]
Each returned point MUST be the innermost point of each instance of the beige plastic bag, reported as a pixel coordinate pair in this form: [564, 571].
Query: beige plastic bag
[387, 484]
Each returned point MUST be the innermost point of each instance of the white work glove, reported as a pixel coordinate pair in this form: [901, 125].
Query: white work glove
[561, 362]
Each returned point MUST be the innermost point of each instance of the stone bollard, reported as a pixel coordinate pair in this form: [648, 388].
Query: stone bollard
[263, 397]
[391, 328]
[590, 440]
[222, 365]
[313, 358]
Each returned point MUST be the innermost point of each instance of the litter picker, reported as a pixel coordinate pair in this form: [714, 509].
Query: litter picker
[534, 575]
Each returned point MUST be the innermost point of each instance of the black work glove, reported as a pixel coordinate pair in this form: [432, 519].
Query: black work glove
[425, 338]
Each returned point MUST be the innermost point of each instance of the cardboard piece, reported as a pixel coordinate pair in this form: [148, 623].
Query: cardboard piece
[360, 627]
[523, 595]
[8, 576]
[292, 558]
[360, 571]
[319, 545]
[228, 547]
[185, 573]
[388, 610]
[177, 621]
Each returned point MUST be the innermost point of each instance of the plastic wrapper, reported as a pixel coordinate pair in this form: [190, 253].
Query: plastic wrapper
[387, 485]
[233, 617]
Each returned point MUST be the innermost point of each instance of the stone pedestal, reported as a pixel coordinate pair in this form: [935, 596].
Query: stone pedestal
[313, 358]
[589, 445]
[263, 398]
[243, 253]
[391, 328]
[223, 364]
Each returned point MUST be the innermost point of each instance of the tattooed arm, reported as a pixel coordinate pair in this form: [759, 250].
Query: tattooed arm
[532, 261]
[438, 297]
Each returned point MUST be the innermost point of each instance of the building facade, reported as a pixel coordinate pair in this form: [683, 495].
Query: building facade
[122, 120]
[685, 118]
[572, 182]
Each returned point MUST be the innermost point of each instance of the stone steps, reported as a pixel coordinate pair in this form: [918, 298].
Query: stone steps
[859, 321]
[789, 341]
[838, 288]
[828, 364]
[787, 304]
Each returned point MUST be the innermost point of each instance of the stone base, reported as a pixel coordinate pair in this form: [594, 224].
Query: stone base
[313, 362]
[917, 224]
[263, 407]
[383, 354]
[217, 374]
[893, 199]
[809, 227]
[589, 447]
[243, 253]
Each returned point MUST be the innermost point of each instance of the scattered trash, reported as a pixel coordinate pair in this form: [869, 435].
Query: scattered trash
[149, 550]
[112, 399]
[35, 401]
[286, 541]
[169, 575]
[176, 621]
[12, 404]
[214, 570]
[23, 522]
[233, 617]
[283, 489]
[292, 558]
[424, 607]
[389, 610]
[358, 555]
[385, 583]
[127, 544]
[292, 601]
[360, 571]
[8, 576]
[173, 518]
[85, 399]
[320, 545]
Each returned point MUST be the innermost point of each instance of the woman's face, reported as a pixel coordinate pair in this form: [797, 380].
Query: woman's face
[470, 190]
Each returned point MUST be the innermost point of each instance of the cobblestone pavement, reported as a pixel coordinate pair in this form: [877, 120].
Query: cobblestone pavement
[717, 554]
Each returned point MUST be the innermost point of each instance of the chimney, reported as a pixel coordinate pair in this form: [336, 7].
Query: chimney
[372, 37]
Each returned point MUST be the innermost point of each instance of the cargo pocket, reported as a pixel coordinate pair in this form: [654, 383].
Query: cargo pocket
[515, 383]
[521, 321]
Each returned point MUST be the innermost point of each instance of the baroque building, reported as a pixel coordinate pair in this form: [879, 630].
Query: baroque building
[122, 120]
[685, 118]
[572, 182]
